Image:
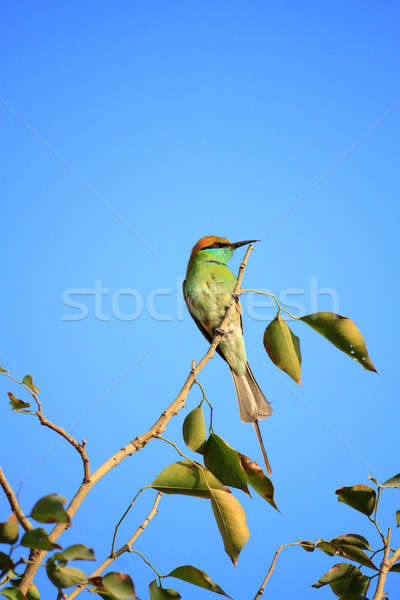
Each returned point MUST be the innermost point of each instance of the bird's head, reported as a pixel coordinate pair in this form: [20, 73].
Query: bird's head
[213, 247]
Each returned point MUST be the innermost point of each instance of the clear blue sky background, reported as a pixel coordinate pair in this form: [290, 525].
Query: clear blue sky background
[128, 131]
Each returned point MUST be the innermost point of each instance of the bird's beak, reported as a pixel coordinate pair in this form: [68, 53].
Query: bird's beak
[238, 244]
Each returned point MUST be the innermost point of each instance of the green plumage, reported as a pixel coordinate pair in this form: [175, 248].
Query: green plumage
[208, 291]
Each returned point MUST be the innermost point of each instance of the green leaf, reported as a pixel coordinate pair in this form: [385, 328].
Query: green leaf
[343, 334]
[327, 547]
[307, 545]
[158, 593]
[75, 552]
[395, 568]
[345, 581]
[355, 553]
[6, 564]
[353, 597]
[397, 518]
[186, 478]
[13, 593]
[352, 538]
[224, 462]
[32, 593]
[38, 540]
[336, 573]
[9, 530]
[283, 347]
[197, 577]
[343, 548]
[258, 480]
[356, 585]
[49, 509]
[231, 521]
[360, 497]
[393, 482]
[62, 576]
[194, 430]
[114, 586]
[16, 403]
[28, 381]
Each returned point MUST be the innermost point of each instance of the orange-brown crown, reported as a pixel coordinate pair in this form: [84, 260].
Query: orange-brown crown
[206, 241]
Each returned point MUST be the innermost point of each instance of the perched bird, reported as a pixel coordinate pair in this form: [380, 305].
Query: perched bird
[208, 290]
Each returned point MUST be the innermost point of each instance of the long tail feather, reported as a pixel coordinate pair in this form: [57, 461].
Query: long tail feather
[253, 405]
[260, 441]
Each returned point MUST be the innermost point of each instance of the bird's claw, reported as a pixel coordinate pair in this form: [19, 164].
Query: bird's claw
[235, 297]
[219, 331]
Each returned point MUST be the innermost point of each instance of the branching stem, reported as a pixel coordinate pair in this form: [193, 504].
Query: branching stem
[139, 442]
[125, 548]
[123, 517]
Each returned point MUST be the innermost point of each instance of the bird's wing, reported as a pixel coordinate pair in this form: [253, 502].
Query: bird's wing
[205, 333]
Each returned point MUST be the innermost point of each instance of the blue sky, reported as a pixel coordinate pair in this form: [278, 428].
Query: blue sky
[129, 131]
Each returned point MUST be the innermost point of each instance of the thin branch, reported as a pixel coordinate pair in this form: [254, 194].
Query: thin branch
[272, 568]
[80, 448]
[125, 548]
[395, 557]
[15, 507]
[384, 568]
[123, 517]
[139, 442]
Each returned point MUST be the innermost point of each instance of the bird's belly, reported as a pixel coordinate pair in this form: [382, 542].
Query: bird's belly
[209, 305]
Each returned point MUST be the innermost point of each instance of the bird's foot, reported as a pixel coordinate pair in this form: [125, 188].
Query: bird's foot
[219, 331]
[235, 297]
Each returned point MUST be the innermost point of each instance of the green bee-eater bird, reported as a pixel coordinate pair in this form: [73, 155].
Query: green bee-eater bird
[208, 290]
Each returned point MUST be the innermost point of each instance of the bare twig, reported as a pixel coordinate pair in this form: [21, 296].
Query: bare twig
[80, 448]
[139, 442]
[15, 507]
[272, 567]
[125, 548]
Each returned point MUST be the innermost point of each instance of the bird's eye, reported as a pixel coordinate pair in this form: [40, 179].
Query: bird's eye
[215, 245]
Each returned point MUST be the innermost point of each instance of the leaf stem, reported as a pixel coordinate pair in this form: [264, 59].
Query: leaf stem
[160, 437]
[210, 406]
[271, 296]
[148, 563]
